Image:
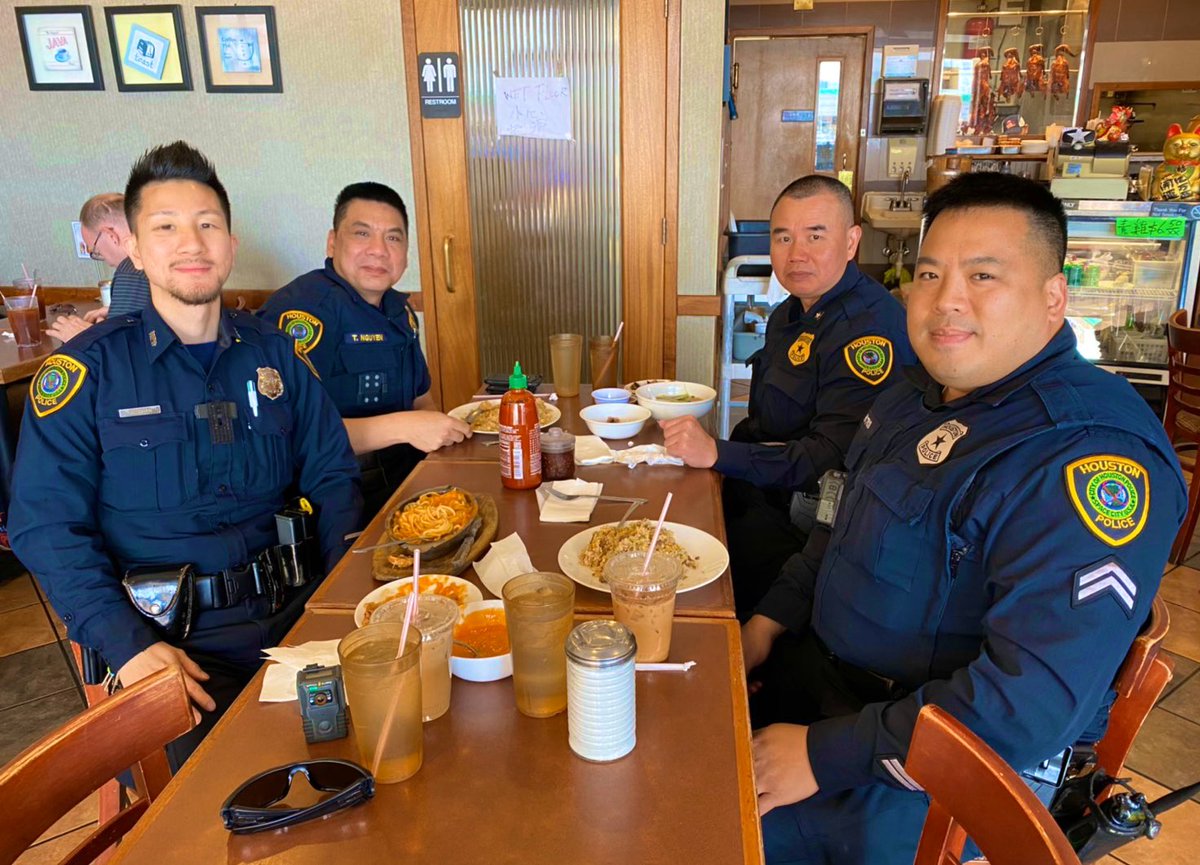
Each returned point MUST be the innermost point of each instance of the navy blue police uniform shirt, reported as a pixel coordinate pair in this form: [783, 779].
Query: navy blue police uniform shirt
[813, 380]
[115, 469]
[368, 358]
[994, 555]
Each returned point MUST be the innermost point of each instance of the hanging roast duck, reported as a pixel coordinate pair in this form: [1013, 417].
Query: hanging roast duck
[983, 98]
[1035, 69]
[1060, 71]
[1010, 75]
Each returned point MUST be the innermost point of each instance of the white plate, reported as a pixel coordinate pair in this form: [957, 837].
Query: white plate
[401, 588]
[712, 555]
[463, 411]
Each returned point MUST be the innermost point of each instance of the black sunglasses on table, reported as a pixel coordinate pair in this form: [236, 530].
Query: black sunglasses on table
[251, 808]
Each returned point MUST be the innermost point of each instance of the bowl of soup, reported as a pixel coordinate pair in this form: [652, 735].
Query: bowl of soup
[484, 629]
[671, 399]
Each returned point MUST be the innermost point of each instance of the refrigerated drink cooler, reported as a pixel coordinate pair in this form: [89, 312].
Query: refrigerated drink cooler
[1130, 264]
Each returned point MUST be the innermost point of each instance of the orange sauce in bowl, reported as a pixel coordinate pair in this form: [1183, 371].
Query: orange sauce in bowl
[485, 631]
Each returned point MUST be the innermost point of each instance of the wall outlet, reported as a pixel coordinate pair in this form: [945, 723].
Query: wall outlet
[901, 155]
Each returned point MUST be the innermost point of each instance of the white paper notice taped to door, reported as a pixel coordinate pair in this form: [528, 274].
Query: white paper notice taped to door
[533, 107]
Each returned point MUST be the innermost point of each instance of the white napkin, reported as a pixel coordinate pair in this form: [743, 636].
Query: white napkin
[651, 455]
[506, 559]
[592, 451]
[556, 510]
[279, 682]
[776, 293]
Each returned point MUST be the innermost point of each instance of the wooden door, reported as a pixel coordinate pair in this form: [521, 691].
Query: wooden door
[648, 165]
[799, 102]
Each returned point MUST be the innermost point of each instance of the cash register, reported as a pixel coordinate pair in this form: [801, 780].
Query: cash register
[1087, 168]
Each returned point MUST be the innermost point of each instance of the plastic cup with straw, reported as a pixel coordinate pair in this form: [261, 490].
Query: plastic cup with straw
[662, 518]
[410, 611]
[612, 356]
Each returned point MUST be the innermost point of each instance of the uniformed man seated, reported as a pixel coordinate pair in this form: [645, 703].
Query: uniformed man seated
[104, 230]
[830, 349]
[158, 447]
[1007, 514]
[360, 337]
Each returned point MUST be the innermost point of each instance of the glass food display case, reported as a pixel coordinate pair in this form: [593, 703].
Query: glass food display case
[1130, 264]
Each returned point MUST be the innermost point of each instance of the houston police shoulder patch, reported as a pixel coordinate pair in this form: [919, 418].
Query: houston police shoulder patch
[1106, 577]
[303, 327]
[801, 348]
[870, 358]
[56, 384]
[1111, 494]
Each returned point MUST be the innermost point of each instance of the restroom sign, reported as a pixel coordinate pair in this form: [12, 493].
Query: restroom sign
[439, 76]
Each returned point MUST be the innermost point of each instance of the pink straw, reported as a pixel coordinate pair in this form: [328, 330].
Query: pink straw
[657, 531]
[617, 335]
[409, 613]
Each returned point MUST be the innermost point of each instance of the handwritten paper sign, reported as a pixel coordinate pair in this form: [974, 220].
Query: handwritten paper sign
[1159, 227]
[533, 107]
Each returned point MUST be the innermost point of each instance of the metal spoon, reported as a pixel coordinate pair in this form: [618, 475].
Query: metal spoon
[474, 652]
[570, 497]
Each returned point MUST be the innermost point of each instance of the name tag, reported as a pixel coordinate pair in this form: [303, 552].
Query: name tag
[365, 337]
[140, 411]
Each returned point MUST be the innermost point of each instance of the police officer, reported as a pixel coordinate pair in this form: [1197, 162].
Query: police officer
[999, 543]
[360, 337]
[173, 436]
[830, 348]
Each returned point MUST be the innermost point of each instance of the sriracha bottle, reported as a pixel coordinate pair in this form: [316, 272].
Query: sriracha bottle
[520, 435]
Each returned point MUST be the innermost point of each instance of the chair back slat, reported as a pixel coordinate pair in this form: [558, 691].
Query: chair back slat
[50, 777]
[983, 796]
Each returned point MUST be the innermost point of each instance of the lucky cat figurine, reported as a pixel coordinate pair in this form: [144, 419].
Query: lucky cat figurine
[1178, 178]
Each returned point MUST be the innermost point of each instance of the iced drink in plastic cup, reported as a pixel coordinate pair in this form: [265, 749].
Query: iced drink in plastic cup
[600, 349]
[539, 609]
[385, 692]
[436, 617]
[645, 603]
[566, 357]
[23, 319]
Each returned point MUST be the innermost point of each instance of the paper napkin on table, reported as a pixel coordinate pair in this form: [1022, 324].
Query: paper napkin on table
[555, 510]
[506, 559]
[279, 682]
[651, 455]
[592, 451]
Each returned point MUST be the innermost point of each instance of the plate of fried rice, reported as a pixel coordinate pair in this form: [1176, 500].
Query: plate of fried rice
[583, 556]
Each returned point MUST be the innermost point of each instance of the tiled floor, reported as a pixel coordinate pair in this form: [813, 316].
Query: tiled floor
[39, 691]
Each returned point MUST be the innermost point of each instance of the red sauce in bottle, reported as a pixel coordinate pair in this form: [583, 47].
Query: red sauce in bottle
[520, 435]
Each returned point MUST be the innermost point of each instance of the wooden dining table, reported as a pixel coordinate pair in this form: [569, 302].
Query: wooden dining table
[495, 786]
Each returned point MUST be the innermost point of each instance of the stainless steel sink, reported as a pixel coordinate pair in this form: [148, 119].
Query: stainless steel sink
[891, 213]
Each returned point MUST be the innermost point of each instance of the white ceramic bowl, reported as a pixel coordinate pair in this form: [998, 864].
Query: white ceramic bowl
[482, 669]
[701, 403]
[1035, 146]
[615, 420]
[609, 395]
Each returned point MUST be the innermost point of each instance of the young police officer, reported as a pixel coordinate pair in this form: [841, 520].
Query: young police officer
[172, 437]
[360, 337]
[1000, 540]
[829, 349]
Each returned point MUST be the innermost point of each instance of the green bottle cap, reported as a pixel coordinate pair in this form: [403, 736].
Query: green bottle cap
[518, 380]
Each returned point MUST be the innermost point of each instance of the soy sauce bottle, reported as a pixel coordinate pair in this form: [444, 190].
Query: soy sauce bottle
[520, 435]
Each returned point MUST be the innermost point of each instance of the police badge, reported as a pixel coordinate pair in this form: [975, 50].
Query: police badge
[270, 384]
[801, 348]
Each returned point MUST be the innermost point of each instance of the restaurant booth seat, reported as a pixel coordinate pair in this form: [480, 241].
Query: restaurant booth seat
[974, 792]
[1182, 417]
[51, 776]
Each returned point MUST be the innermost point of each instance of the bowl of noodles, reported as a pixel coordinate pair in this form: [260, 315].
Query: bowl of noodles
[434, 521]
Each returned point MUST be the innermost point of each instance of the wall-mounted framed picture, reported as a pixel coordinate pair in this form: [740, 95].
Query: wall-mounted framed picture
[239, 48]
[59, 46]
[149, 51]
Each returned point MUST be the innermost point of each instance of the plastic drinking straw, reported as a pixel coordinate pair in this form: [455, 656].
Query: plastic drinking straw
[607, 363]
[25, 270]
[657, 531]
[409, 611]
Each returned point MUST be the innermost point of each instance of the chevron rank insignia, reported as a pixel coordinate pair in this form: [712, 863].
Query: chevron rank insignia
[56, 384]
[1111, 494]
[1105, 577]
[870, 358]
[801, 348]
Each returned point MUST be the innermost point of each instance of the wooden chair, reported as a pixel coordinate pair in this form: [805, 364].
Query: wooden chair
[1182, 417]
[1141, 680]
[973, 792]
[50, 777]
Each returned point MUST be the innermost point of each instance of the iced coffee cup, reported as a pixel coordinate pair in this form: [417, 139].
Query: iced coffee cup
[384, 693]
[645, 602]
[539, 609]
[436, 617]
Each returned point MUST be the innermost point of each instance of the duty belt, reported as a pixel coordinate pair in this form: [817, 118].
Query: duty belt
[231, 586]
[867, 686]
